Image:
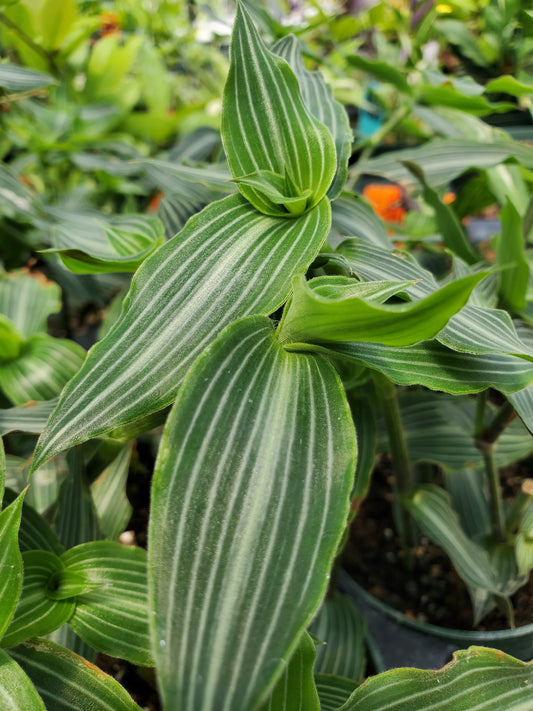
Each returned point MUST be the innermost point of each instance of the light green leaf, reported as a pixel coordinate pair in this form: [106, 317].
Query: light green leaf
[514, 276]
[250, 545]
[17, 692]
[450, 228]
[228, 262]
[10, 561]
[450, 96]
[342, 628]
[2, 470]
[15, 78]
[295, 688]
[333, 691]
[313, 318]
[439, 368]
[36, 612]
[430, 507]
[109, 495]
[508, 84]
[443, 160]
[477, 678]
[11, 341]
[319, 100]
[353, 217]
[267, 127]
[42, 369]
[120, 602]
[383, 71]
[67, 682]
[56, 19]
[28, 301]
[93, 245]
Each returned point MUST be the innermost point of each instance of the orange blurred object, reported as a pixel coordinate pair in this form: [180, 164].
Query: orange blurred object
[448, 198]
[387, 201]
[153, 205]
[109, 23]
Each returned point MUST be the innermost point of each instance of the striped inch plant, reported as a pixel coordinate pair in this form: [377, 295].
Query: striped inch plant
[255, 472]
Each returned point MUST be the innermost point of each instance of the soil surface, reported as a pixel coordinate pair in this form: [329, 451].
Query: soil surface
[432, 591]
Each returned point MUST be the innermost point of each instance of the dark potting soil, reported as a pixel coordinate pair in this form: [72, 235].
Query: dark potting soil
[431, 591]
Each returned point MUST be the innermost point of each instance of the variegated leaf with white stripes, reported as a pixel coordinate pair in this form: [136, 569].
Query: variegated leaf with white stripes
[319, 100]
[15, 78]
[476, 679]
[67, 682]
[37, 613]
[10, 561]
[109, 495]
[17, 693]
[42, 369]
[30, 417]
[272, 141]
[353, 217]
[118, 602]
[229, 261]
[249, 501]
[34, 532]
[295, 688]
[28, 301]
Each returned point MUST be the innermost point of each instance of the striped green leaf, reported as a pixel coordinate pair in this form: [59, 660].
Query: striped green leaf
[439, 368]
[475, 329]
[42, 369]
[34, 532]
[2, 470]
[228, 262]
[342, 629]
[92, 245]
[315, 318]
[477, 678]
[30, 417]
[295, 688]
[333, 691]
[15, 78]
[28, 301]
[17, 692]
[522, 401]
[267, 129]
[442, 160]
[353, 217]
[431, 508]
[169, 175]
[36, 612]
[10, 561]
[67, 682]
[319, 100]
[76, 519]
[363, 414]
[514, 276]
[249, 501]
[120, 602]
[16, 200]
[109, 495]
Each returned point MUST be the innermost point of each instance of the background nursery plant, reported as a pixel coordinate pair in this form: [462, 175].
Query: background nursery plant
[254, 334]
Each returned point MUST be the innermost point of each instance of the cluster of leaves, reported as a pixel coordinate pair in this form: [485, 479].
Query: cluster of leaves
[263, 332]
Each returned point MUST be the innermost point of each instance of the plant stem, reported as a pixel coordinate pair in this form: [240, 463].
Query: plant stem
[486, 437]
[403, 478]
[47, 56]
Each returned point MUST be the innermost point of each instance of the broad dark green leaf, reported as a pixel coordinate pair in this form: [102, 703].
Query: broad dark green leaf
[313, 318]
[228, 262]
[477, 678]
[42, 369]
[120, 602]
[445, 159]
[431, 508]
[363, 416]
[17, 692]
[67, 682]
[28, 301]
[439, 368]
[450, 229]
[448, 95]
[10, 561]
[342, 629]
[15, 78]
[319, 100]
[30, 417]
[333, 691]
[37, 613]
[247, 513]
[514, 276]
[266, 126]
[295, 688]
[383, 71]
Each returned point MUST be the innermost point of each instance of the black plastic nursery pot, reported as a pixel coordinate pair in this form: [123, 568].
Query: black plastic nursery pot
[395, 640]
